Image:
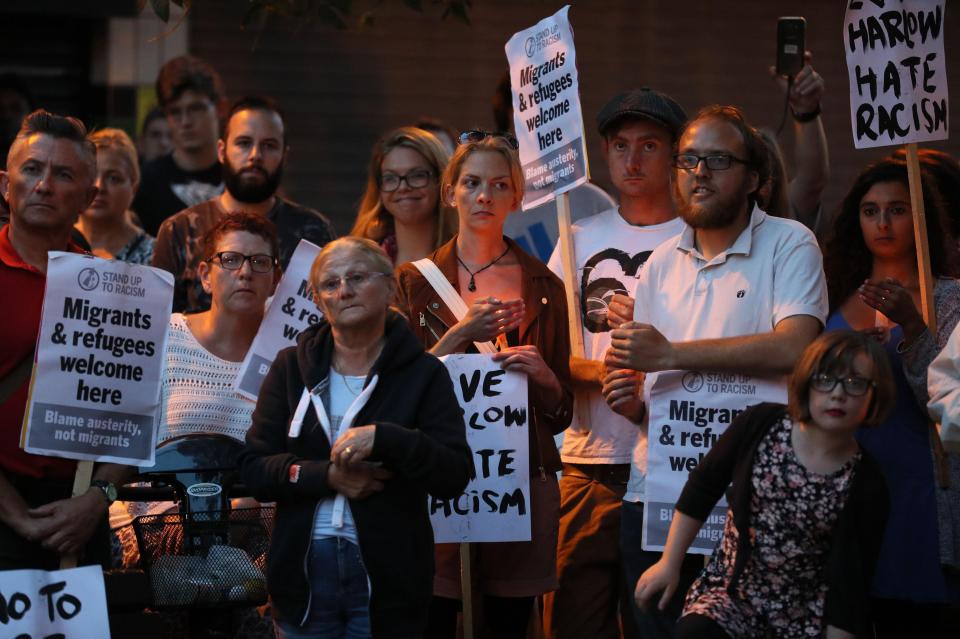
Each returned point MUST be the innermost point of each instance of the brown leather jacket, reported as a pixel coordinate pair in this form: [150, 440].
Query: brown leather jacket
[544, 326]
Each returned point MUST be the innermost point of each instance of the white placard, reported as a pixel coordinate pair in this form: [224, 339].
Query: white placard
[496, 503]
[546, 109]
[71, 604]
[291, 311]
[689, 410]
[100, 355]
[897, 71]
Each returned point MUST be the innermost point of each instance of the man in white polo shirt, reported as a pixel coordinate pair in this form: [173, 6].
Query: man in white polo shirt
[736, 291]
[638, 128]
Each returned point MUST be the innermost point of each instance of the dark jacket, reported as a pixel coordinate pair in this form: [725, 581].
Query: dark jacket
[420, 437]
[857, 534]
[544, 326]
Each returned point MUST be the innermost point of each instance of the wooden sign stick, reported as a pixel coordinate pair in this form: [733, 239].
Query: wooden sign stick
[81, 484]
[920, 239]
[572, 288]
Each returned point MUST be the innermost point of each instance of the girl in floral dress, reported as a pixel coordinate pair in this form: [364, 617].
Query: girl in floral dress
[807, 507]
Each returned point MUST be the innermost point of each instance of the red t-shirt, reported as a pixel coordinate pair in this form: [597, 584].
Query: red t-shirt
[23, 288]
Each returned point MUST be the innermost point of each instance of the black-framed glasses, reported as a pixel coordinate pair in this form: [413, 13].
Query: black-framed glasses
[354, 280]
[715, 162]
[417, 179]
[477, 135]
[233, 261]
[852, 386]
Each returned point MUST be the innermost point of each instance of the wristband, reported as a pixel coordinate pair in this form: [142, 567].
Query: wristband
[803, 118]
[293, 473]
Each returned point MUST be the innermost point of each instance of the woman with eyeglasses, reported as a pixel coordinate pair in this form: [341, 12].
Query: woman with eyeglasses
[205, 350]
[107, 223]
[873, 284]
[516, 300]
[806, 510]
[354, 427]
[401, 208]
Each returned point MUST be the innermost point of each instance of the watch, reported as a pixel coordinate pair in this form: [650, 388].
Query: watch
[109, 490]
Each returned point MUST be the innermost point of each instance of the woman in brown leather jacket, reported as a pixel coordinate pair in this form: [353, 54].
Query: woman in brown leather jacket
[514, 299]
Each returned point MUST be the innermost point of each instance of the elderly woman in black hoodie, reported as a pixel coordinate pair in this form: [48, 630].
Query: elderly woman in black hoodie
[353, 428]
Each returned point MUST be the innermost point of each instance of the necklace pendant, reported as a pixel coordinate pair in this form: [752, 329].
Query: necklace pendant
[472, 286]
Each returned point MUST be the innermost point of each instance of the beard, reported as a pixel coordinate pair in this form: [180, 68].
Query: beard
[251, 192]
[717, 214]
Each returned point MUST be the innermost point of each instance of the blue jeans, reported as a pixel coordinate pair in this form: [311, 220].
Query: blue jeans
[652, 623]
[339, 594]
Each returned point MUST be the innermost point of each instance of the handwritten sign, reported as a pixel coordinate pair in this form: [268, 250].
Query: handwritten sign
[689, 410]
[546, 109]
[291, 311]
[496, 504]
[96, 387]
[897, 70]
[67, 604]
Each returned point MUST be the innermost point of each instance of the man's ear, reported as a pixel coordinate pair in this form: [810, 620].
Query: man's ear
[4, 185]
[221, 151]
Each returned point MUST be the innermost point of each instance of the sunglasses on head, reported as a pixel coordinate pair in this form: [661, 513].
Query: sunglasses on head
[477, 135]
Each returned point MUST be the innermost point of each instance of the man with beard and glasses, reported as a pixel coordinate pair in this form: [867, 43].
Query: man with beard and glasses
[737, 291]
[253, 152]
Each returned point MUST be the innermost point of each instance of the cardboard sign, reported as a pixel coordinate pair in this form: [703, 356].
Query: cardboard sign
[70, 604]
[689, 410]
[95, 394]
[291, 311]
[897, 70]
[546, 109]
[496, 504]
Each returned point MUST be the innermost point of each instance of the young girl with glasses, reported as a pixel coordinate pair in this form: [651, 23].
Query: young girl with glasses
[807, 508]
[401, 209]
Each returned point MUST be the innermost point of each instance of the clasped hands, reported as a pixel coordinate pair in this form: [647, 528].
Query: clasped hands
[64, 526]
[350, 474]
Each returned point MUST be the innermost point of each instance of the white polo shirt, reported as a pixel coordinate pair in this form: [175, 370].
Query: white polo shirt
[774, 270]
[608, 253]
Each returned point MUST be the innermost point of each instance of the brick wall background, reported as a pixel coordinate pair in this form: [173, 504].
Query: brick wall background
[341, 90]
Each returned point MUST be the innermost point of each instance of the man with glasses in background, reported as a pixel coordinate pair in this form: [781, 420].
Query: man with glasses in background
[253, 152]
[737, 291]
[190, 92]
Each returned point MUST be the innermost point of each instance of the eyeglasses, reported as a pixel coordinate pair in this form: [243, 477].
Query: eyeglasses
[232, 261]
[852, 386]
[476, 135]
[354, 280]
[390, 182]
[718, 162]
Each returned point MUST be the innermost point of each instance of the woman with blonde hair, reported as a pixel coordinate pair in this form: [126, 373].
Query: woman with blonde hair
[107, 223]
[515, 299]
[401, 208]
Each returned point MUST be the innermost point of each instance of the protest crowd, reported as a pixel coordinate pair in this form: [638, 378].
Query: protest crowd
[709, 270]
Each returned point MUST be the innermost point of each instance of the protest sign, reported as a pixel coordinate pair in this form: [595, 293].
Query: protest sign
[496, 503]
[68, 604]
[291, 311]
[689, 410]
[100, 358]
[546, 108]
[897, 71]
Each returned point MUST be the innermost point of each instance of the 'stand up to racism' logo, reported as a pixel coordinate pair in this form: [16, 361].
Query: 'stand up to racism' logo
[88, 279]
[541, 39]
[692, 381]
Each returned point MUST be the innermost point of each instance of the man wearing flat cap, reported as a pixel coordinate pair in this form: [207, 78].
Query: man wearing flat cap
[638, 128]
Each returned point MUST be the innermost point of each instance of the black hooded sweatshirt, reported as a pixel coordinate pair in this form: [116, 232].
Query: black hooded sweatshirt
[420, 437]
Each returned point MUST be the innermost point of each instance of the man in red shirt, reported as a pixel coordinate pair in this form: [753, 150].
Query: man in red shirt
[49, 180]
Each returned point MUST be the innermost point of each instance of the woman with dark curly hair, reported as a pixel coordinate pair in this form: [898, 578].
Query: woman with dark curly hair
[873, 285]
